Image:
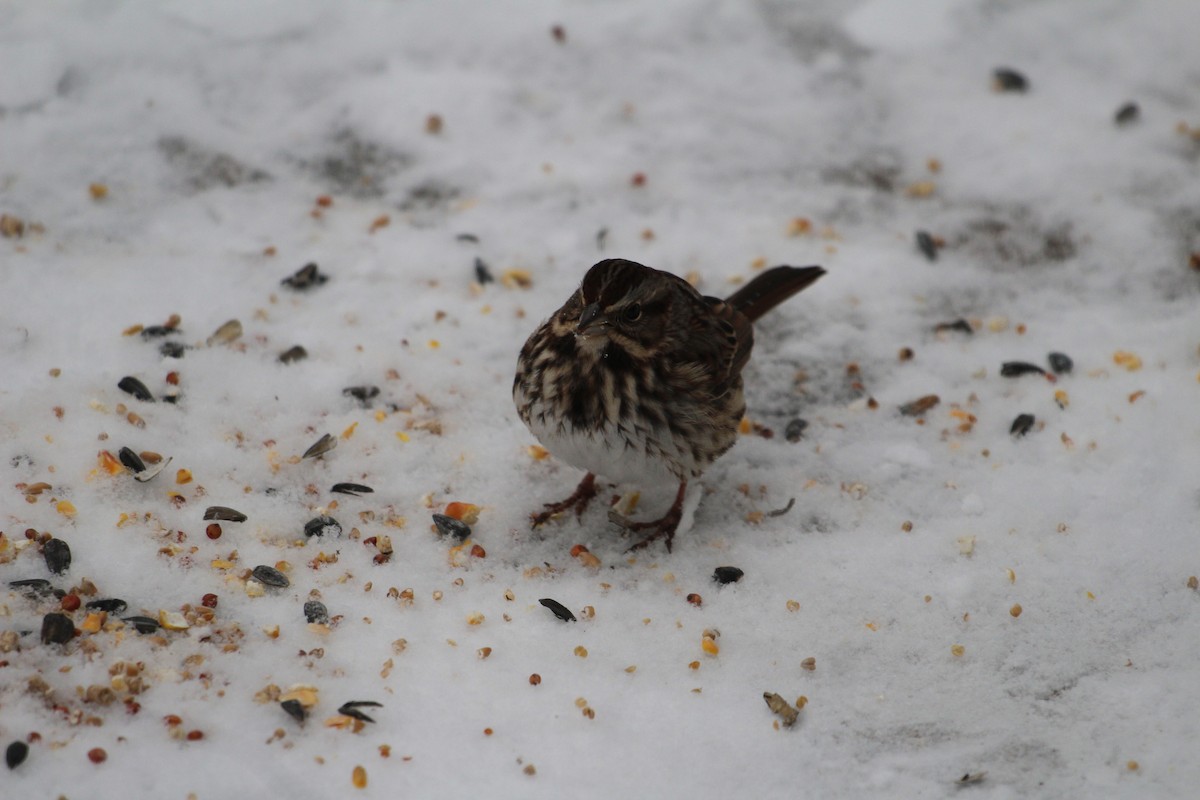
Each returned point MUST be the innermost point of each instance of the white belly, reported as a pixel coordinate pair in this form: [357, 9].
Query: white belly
[605, 454]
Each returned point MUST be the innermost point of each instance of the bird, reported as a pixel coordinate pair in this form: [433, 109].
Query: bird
[638, 378]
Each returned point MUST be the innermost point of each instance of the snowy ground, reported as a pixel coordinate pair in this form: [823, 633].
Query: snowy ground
[168, 158]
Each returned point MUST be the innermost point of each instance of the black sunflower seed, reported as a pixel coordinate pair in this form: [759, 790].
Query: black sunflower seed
[926, 245]
[294, 710]
[269, 576]
[449, 526]
[131, 460]
[319, 526]
[482, 273]
[142, 624]
[58, 556]
[469, 238]
[172, 349]
[321, 446]
[15, 754]
[1127, 113]
[795, 429]
[306, 277]
[727, 574]
[560, 611]
[362, 394]
[1022, 425]
[136, 388]
[315, 611]
[111, 605]
[1014, 369]
[38, 586]
[351, 709]
[292, 354]
[1061, 363]
[351, 488]
[957, 326]
[224, 514]
[57, 629]
[157, 331]
[1005, 79]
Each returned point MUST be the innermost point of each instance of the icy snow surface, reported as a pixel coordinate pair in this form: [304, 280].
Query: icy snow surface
[168, 158]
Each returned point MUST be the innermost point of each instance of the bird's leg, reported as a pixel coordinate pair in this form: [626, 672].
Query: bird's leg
[664, 526]
[578, 500]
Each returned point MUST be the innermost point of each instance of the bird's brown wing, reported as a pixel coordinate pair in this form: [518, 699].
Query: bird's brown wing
[731, 336]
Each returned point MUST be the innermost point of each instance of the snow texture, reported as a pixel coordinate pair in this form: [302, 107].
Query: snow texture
[168, 158]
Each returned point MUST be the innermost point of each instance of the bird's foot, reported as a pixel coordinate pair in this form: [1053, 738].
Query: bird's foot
[578, 501]
[665, 526]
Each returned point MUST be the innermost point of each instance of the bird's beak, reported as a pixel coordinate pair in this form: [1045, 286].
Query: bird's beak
[590, 321]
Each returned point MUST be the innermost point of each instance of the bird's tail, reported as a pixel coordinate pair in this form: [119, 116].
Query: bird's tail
[771, 288]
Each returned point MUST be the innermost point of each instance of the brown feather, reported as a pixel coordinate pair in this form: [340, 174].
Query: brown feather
[771, 288]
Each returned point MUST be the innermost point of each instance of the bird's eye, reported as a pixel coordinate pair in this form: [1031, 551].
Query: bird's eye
[632, 313]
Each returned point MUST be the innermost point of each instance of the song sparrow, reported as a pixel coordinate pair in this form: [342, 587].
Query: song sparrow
[638, 377]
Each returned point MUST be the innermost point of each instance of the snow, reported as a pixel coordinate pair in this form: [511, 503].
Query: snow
[215, 127]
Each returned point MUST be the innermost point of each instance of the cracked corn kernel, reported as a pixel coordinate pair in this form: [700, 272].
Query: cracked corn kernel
[799, 226]
[581, 651]
[1015, 610]
[694, 665]
[464, 512]
[475, 619]
[65, 507]
[359, 777]
[516, 278]
[920, 189]
[793, 605]
[172, 620]
[957, 650]
[709, 645]
[1128, 360]
[530, 770]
